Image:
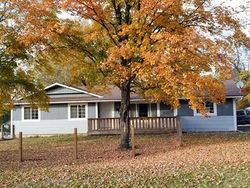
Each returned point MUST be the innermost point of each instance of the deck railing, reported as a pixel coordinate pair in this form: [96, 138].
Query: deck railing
[142, 125]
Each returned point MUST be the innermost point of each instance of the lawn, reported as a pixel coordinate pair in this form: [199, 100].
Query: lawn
[205, 160]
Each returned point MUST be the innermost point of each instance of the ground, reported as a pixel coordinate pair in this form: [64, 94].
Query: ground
[205, 160]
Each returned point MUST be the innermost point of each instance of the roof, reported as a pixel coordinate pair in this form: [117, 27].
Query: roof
[231, 89]
[72, 88]
[114, 94]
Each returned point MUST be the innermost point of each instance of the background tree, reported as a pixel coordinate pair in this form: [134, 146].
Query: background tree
[162, 49]
[16, 78]
[241, 71]
[245, 78]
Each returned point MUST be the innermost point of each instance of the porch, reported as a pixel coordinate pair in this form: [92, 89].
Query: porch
[142, 125]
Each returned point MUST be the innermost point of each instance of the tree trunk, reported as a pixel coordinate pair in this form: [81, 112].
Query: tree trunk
[124, 115]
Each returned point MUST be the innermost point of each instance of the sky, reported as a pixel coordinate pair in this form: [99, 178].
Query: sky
[245, 20]
[244, 17]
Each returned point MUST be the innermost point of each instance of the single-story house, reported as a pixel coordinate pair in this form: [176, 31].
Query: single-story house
[73, 107]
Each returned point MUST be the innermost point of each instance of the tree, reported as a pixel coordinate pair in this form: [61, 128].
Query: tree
[161, 49]
[15, 78]
[241, 69]
[245, 78]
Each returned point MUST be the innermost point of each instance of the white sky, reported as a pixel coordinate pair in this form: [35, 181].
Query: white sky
[235, 4]
[244, 16]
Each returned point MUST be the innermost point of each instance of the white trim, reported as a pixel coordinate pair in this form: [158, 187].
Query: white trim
[149, 110]
[175, 112]
[113, 110]
[72, 102]
[77, 119]
[96, 110]
[108, 100]
[31, 120]
[227, 96]
[136, 110]
[11, 122]
[234, 97]
[158, 110]
[72, 88]
[209, 114]
[235, 115]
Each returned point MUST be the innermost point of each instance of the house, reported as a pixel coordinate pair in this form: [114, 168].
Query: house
[74, 107]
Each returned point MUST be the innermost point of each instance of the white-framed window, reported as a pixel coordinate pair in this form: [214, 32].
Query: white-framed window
[30, 114]
[77, 111]
[143, 110]
[210, 107]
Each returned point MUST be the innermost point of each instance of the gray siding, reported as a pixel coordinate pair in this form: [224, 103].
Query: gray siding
[17, 113]
[56, 111]
[48, 127]
[165, 110]
[106, 109]
[213, 123]
[60, 90]
[91, 110]
[225, 109]
[55, 121]
[184, 109]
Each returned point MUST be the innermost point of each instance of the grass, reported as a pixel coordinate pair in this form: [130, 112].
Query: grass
[205, 160]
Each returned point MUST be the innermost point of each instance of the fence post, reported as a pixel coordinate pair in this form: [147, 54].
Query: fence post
[21, 146]
[179, 132]
[13, 132]
[133, 140]
[75, 144]
[2, 133]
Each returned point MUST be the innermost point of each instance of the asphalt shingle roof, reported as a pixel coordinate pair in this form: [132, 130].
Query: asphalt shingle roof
[114, 94]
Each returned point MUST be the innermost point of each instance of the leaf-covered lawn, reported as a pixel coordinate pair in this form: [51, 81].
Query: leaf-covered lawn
[205, 160]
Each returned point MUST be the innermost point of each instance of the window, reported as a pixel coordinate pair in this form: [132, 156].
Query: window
[248, 112]
[240, 113]
[30, 113]
[210, 107]
[143, 110]
[132, 112]
[153, 110]
[77, 111]
[166, 110]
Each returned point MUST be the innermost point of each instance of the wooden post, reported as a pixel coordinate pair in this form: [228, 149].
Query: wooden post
[13, 132]
[133, 140]
[75, 143]
[179, 132]
[2, 133]
[21, 146]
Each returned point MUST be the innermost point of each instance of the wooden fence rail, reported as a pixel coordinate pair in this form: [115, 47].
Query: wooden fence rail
[97, 126]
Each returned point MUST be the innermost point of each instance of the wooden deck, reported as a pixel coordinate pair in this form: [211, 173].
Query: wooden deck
[148, 125]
